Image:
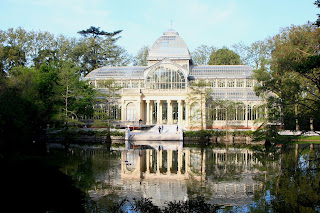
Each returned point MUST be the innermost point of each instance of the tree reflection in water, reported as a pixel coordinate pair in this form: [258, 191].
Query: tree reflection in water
[240, 178]
[295, 186]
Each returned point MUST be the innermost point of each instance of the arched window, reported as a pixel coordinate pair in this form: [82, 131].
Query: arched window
[165, 78]
[131, 112]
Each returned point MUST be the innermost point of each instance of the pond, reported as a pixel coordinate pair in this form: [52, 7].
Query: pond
[238, 178]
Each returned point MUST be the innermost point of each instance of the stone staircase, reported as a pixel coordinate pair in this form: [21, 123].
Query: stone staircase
[169, 133]
[166, 129]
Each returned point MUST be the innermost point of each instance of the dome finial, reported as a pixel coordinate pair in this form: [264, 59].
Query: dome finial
[171, 30]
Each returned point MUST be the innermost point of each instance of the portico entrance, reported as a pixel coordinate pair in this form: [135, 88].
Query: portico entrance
[165, 112]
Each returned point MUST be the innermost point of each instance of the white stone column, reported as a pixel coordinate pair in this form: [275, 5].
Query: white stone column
[123, 111]
[138, 114]
[187, 114]
[246, 115]
[161, 110]
[151, 112]
[158, 112]
[179, 112]
[148, 112]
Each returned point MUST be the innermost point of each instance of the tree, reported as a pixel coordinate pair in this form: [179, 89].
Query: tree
[141, 58]
[22, 117]
[42, 48]
[95, 32]
[293, 71]
[11, 57]
[201, 54]
[224, 56]
[317, 3]
[108, 98]
[230, 108]
[96, 54]
[198, 97]
[75, 96]
[118, 56]
[255, 55]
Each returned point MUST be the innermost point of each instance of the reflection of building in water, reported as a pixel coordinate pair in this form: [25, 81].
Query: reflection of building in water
[227, 174]
[163, 164]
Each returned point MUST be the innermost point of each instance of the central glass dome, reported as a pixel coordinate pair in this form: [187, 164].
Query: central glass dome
[169, 45]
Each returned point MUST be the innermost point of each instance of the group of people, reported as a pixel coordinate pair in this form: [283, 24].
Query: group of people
[160, 128]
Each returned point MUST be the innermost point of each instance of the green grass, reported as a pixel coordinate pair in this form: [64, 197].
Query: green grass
[309, 138]
[301, 139]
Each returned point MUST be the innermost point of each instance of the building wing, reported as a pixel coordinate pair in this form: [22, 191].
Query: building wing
[128, 72]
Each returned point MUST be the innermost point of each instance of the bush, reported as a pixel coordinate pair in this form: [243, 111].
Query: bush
[242, 133]
[117, 133]
[205, 133]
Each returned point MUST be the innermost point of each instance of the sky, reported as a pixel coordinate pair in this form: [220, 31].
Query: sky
[210, 22]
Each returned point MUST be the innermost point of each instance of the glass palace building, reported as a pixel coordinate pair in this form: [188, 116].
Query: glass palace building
[160, 93]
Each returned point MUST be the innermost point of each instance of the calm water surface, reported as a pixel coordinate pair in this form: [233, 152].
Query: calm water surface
[238, 178]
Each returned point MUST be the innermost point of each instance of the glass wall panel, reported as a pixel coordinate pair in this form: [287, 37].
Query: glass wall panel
[221, 83]
[241, 113]
[165, 78]
[240, 83]
[221, 114]
[134, 84]
[230, 82]
[213, 83]
[249, 83]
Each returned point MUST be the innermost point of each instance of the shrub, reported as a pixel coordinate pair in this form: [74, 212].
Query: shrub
[117, 133]
[206, 133]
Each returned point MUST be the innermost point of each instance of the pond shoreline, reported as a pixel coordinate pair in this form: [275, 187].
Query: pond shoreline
[121, 140]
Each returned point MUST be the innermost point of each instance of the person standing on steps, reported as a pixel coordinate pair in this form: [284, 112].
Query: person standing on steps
[162, 127]
[177, 129]
[159, 130]
[140, 121]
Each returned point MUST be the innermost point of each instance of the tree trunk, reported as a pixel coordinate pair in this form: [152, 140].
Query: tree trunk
[311, 124]
[66, 102]
[297, 121]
